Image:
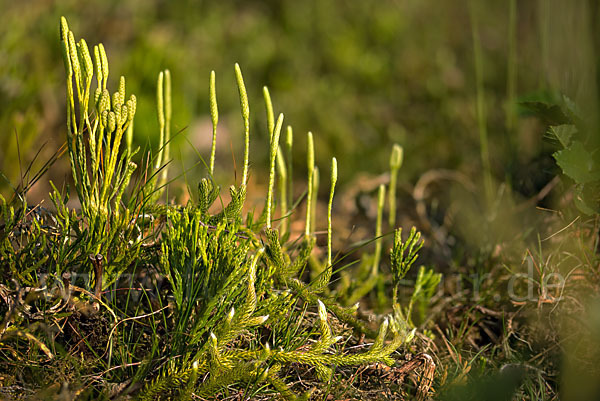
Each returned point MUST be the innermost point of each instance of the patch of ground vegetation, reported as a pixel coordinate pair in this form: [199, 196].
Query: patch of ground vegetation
[116, 291]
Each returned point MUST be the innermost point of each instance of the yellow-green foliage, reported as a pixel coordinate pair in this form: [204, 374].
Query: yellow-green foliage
[226, 280]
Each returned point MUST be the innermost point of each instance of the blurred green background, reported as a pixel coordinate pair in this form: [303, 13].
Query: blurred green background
[361, 75]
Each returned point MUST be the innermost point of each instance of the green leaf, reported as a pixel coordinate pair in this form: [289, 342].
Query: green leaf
[551, 114]
[563, 133]
[577, 163]
[586, 198]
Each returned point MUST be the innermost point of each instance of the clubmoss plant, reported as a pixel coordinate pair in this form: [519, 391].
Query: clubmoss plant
[187, 303]
[100, 182]
[403, 255]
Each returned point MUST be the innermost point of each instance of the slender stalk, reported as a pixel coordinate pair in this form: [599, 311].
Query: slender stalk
[311, 168]
[289, 143]
[378, 229]
[282, 184]
[163, 100]
[246, 117]
[284, 168]
[315, 191]
[281, 167]
[168, 109]
[214, 115]
[334, 173]
[273, 155]
[365, 286]
[161, 118]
